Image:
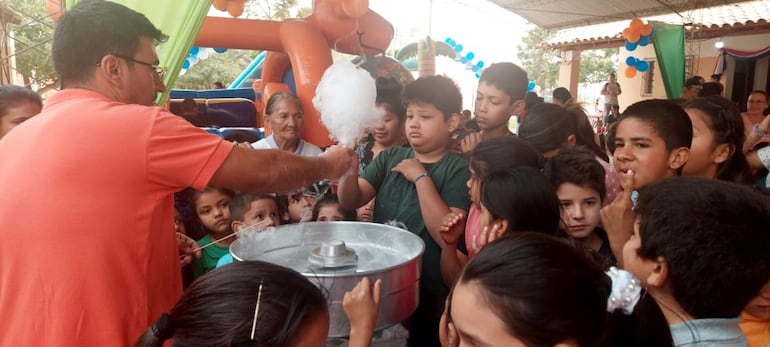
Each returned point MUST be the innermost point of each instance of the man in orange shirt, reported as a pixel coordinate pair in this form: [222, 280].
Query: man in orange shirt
[88, 253]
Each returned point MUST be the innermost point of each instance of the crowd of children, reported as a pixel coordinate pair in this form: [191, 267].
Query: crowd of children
[541, 238]
[538, 222]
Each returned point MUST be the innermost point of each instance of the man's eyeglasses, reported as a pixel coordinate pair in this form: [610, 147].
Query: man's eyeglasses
[159, 69]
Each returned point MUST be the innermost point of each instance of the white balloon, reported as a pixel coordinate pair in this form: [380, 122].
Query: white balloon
[204, 53]
[193, 59]
[537, 89]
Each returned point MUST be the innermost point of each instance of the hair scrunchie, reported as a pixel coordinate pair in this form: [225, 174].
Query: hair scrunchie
[626, 291]
[162, 328]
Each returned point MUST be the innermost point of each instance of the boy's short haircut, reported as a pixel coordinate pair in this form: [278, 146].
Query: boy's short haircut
[507, 77]
[714, 237]
[669, 120]
[439, 91]
[241, 204]
[576, 166]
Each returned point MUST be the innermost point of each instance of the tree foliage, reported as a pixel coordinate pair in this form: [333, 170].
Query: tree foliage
[540, 61]
[596, 64]
[32, 40]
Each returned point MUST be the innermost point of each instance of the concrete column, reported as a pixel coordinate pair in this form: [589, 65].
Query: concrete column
[569, 71]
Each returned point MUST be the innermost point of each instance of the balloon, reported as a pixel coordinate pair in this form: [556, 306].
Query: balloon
[478, 75]
[631, 61]
[194, 50]
[630, 46]
[470, 55]
[220, 50]
[463, 60]
[634, 36]
[193, 59]
[204, 53]
[531, 86]
[480, 64]
[235, 9]
[645, 30]
[459, 48]
[186, 65]
[448, 41]
[635, 24]
[355, 9]
[475, 68]
[630, 72]
[644, 41]
[220, 5]
[537, 89]
[626, 31]
[642, 66]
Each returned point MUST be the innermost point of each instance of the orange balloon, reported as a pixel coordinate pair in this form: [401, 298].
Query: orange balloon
[221, 5]
[645, 30]
[633, 36]
[235, 9]
[636, 23]
[631, 71]
[626, 32]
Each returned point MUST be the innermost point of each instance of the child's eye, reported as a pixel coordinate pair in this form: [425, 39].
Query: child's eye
[641, 145]
[564, 204]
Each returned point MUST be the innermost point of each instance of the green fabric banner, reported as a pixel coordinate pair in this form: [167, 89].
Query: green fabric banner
[180, 20]
[668, 40]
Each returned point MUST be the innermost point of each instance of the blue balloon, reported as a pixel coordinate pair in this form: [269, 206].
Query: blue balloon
[470, 55]
[631, 61]
[475, 68]
[478, 75]
[448, 40]
[644, 41]
[630, 46]
[194, 50]
[459, 48]
[480, 64]
[186, 64]
[463, 60]
[642, 66]
[220, 50]
[531, 86]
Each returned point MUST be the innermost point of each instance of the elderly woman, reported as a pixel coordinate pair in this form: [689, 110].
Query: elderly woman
[285, 117]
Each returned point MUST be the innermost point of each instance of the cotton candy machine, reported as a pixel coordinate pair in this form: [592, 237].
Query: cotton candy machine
[337, 255]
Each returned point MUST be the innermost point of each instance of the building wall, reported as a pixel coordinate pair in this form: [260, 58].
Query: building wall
[705, 56]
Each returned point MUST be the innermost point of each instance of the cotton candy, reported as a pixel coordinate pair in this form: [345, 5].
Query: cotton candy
[346, 97]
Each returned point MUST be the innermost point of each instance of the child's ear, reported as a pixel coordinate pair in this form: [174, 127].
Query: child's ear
[454, 121]
[571, 140]
[235, 225]
[517, 107]
[678, 157]
[722, 153]
[659, 274]
[502, 223]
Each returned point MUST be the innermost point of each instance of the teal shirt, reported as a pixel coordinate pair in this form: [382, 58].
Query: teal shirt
[209, 257]
[397, 200]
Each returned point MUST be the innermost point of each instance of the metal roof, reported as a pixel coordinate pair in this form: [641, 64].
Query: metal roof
[561, 14]
[708, 22]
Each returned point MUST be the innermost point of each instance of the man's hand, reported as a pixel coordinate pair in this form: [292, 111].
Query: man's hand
[340, 160]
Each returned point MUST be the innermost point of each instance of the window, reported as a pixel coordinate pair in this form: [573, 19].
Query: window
[648, 79]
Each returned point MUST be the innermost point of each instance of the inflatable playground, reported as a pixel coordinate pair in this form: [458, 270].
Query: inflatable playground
[295, 54]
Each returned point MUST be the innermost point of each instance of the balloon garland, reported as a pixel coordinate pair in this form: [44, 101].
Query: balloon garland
[466, 58]
[196, 55]
[636, 34]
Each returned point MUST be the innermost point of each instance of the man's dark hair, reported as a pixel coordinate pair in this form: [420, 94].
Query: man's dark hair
[93, 29]
[713, 235]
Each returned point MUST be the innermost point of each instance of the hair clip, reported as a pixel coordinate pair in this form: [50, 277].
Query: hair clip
[634, 199]
[626, 291]
[256, 311]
